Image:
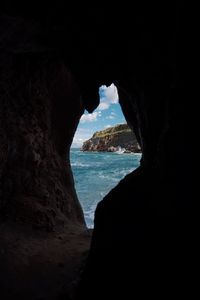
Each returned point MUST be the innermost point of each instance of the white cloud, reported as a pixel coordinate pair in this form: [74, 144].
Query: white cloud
[103, 106]
[81, 135]
[89, 117]
[108, 96]
[107, 126]
[110, 117]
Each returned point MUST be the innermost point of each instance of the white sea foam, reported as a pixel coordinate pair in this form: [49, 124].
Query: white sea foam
[108, 177]
[126, 171]
[120, 150]
[89, 215]
[79, 164]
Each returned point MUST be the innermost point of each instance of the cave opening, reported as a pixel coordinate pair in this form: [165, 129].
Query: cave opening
[145, 235]
[103, 152]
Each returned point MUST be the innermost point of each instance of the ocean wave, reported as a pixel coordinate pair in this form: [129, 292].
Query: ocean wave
[79, 164]
[108, 177]
[89, 215]
[125, 172]
[96, 174]
[102, 194]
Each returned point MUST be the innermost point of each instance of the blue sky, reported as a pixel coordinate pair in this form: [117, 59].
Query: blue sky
[107, 114]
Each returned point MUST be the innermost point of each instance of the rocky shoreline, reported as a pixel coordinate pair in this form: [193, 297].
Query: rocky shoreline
[119, 138]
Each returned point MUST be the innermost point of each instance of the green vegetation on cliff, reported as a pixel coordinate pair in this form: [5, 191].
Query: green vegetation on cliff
[112, 130]
[111, 139]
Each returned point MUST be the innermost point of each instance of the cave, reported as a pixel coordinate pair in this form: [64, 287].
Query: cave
[52, 63]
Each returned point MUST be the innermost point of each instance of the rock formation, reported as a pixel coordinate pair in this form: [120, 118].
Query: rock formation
[43, 236]
[112, 139]
[53, 59]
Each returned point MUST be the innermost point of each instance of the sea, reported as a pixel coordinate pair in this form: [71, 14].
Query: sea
[96, 173]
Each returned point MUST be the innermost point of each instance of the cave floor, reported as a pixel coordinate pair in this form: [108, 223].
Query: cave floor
[41, 265]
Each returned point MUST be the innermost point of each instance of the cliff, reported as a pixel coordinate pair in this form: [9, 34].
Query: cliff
[111, 139]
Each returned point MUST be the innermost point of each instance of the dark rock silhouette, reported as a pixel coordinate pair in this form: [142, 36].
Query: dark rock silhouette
[43, 234]
[37, 176]
[145, 231]
[112, 139]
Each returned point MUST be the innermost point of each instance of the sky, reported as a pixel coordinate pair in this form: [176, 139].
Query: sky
[107, 114]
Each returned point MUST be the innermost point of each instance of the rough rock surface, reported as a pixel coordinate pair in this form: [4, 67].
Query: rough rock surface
[38, 127]
[112, 139]
[43, 237]
[35, 264]
[144, 236]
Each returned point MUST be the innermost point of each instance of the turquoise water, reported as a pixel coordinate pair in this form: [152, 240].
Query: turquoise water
[96, 173]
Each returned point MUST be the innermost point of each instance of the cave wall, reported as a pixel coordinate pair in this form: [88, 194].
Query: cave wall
[142, 226]
[43, 236]
[40, 110]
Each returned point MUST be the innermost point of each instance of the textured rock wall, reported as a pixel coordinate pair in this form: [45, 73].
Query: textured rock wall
[43, 237]
[40, 109]
[143, 241]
